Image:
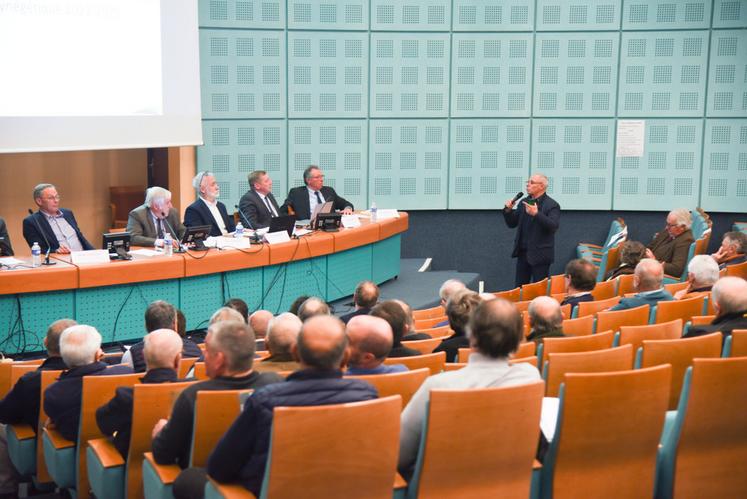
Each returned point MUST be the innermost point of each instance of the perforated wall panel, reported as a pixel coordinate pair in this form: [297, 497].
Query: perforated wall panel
[725, 166]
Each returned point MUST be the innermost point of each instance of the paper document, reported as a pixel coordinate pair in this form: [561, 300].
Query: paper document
[549, 417]
[145, 252]
[630, 138]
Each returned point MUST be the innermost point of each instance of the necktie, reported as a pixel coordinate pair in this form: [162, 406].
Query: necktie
[269, 206]
[318, 197]
[160, 229]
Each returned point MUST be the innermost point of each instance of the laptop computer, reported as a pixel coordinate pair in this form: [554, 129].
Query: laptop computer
[283, 222]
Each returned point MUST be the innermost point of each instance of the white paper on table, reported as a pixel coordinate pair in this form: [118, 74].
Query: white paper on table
[89, 257]
[350, 221]
[228, 242]
[9, 260]
[280, 236]
[299, 232]
[145, 252]
[549, 417]
[383, 214]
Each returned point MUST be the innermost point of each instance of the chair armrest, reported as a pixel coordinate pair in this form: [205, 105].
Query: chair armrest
[57, 440]
[23, 431]
[108, 455]
[232, 490]
[399, 482]
[167, 473]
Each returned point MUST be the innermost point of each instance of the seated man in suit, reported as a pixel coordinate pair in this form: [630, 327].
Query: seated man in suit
[258, 204]
[57, 225]
[399, 320]
[545, 319]
[163, 351]
[732, 250]
[365, 297]
[649, 283]
[580, 281]
[672, 245]
[207, 210]
[156, 217]
[702, 274]
[6, 249]
[458, 310]
[729, 297]
[80, 347]
[302, 200]
[371, 341]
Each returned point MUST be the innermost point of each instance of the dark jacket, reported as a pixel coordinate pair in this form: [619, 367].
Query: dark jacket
[724, 324]
[650, 299]
[575, 300]
[738, 258]
[6, 249]
[115, 417]
[31, 234]
[672, 252]
[298, 200]
[190, 350]
[623, 269]
[538, 337]
[173, 443]
[21, 404]
[361, 311]
[242, 452]
[252, 207]
[451, 346]
[198, 214]
[540, 236]
[402, 351]
[62, 399]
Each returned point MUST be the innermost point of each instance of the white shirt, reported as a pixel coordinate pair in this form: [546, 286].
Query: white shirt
[213, 207]
[312, 199]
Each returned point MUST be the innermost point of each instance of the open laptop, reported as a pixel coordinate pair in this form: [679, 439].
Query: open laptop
[325, 207]
[283, 222]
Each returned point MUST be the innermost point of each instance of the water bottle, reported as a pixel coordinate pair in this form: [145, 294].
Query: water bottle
[36, 253]
[168, 245]
[373, 211]
[239, 231]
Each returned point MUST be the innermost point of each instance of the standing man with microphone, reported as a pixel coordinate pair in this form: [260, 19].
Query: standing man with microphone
[149, 223]
[54, 228]
[537, 218]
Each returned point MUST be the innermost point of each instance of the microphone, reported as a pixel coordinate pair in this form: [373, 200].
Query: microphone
[255, 237]
[517, 197]
[176, 235]
[46, 241]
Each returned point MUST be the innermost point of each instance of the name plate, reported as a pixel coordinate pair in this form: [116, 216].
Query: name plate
[89, 257]
[384, 214]
[350, 221]
[278, 237]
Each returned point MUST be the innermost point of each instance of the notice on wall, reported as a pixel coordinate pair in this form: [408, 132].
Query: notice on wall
[630, 136]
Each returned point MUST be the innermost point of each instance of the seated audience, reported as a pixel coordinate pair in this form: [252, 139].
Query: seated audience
[370, 340]
[150, 222]
[729, 297]
[80, 347]
[648, 281]
[732, 250]
[297, 304]
[240, 306]
[545, 319]
[458, 309]
[259, 321]
[162, 352]
[392, 312]
[494, 332]
[445, 292]
[365, 297]
[311, 307]
[580, 281]
[702, 274]
[672, 245]
[229, 357]
[282, 334]
[631, 252]
[52, 224]
[226, 314]
[409, 333]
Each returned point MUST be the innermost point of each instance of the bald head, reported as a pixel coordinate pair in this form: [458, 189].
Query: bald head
[259, 321]
[366, 295]
[545, 315]
[312, 307]
[226, 314]
[282, 334]
[370, 341]
[322, 343]
[495, 328]
[163, 349]
[730, 295]
[649, 275]
[52, 339]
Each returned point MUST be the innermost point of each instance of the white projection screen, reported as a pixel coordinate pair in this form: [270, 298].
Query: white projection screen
[98, 74]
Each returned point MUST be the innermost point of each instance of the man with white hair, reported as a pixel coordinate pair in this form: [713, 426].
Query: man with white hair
[729, 297]
[732, 250]
[545, 319]
[149, 223]
[702, 274]
[282, 334]
[80, 347]
[448, 289]
[207, 210]
[648, 280]
[672, 245]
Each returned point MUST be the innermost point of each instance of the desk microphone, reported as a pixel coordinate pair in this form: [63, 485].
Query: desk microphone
[176, 236]
[255, 237]
[49, 248]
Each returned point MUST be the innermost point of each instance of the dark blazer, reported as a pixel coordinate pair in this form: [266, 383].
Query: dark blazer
[252, 207]
[575, 300]
[672, 252]
[724, 324]
[6, 249]
[115, 417]
[31, 233]
[451, 346]
[540, 238]
[298, 200]
[638, 300]
[361, 311]
[198, 214]
[21, 404]
[140, 225]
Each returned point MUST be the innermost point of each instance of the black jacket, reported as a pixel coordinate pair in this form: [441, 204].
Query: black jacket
[361, 311]
[32, 234]
[451, 346]
[724, 324]
[252, 207]
[21, 404]
[190, 350]
[198, 214]
[540, 236]
[6, 248]
[298, 200]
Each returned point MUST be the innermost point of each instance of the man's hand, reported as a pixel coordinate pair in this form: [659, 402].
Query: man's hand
[718, 256]
[347, 211]
[509, 204]
[530, 209]
[63, 250]
[158, 427]
[649, 254]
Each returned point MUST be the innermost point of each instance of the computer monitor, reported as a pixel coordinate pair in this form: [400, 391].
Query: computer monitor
[283, 222]
[320, 209]
[118, 244]
[195, 236]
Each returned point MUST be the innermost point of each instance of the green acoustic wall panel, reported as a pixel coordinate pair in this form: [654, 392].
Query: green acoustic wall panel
[328, 15]
[346, 270]
[245, 284]
[730, 14]
[727, 92]
[199, 297]
[123, 305]
[242, 13]
[725, 166]
[386, 259]
[411, 15]
[284, 283]
[666, 14]
[559, 15]
[38, 311]
[489, 15]
[337, 146]
[490, 159]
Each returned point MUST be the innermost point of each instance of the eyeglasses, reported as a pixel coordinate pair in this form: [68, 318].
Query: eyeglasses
[52, 198]
[672, 225]
[317, 176]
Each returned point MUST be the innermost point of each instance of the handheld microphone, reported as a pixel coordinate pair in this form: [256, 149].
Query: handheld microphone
[255, 237]
[176, 236]
[46, 241]
[517, 197]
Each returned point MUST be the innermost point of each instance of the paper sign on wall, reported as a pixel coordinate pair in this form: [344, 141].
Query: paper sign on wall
[630, 137]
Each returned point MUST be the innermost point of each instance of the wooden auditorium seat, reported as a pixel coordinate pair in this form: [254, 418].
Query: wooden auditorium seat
[595, 361]
[592, 307]
[433, 361]
[599, 341]
[404, 384]
[634, 335]
[423, 346]
[614, 320]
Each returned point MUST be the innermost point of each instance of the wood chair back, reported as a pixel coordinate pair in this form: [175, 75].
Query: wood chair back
[558, 297]
[185, 365]
[42, 474]
[199, 372]
[428, 313]
[581, 326]
[620, 412]
[614, 320]
[532, 359]
[463, 355]
[5, 370]
[522, 306]
[438, 332]
[429, 323]
[634, 335]
[625, 284]
[215, 411]
[18, 370]
[739, 343]
[423, 346]
[557, 284]
[592, 307]
[713, 434]
[613, 260]
[676, 286]
[599, 341]
[702, 320]
[404, 384]
[433, 361]
[737, 270]
[679, 309]
[525, 349]
[510, 295]
[595, 361]
[603, 291]
[679, 354]
[533, 290]
[454, 366]
[501, 469]
[312, 455]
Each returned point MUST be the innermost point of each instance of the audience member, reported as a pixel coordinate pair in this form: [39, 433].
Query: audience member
[311, 307]
[393, 312]
[229, 356]
[446, 291]
[648, 281]
[729, 297]
[240, 306]
[282, 334]
[672, 245]
[732, 250]
[259, 321]
[148, 224]
[494, 332]
[224, 314]
[545, 319]
[365, 297]
[80, 347]
[580, 281]
[631, 252]
[162, 352]
[458, 309]
[409, 333]
[297, 304]
[702, 274]
[370, 340]
[52, 224]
